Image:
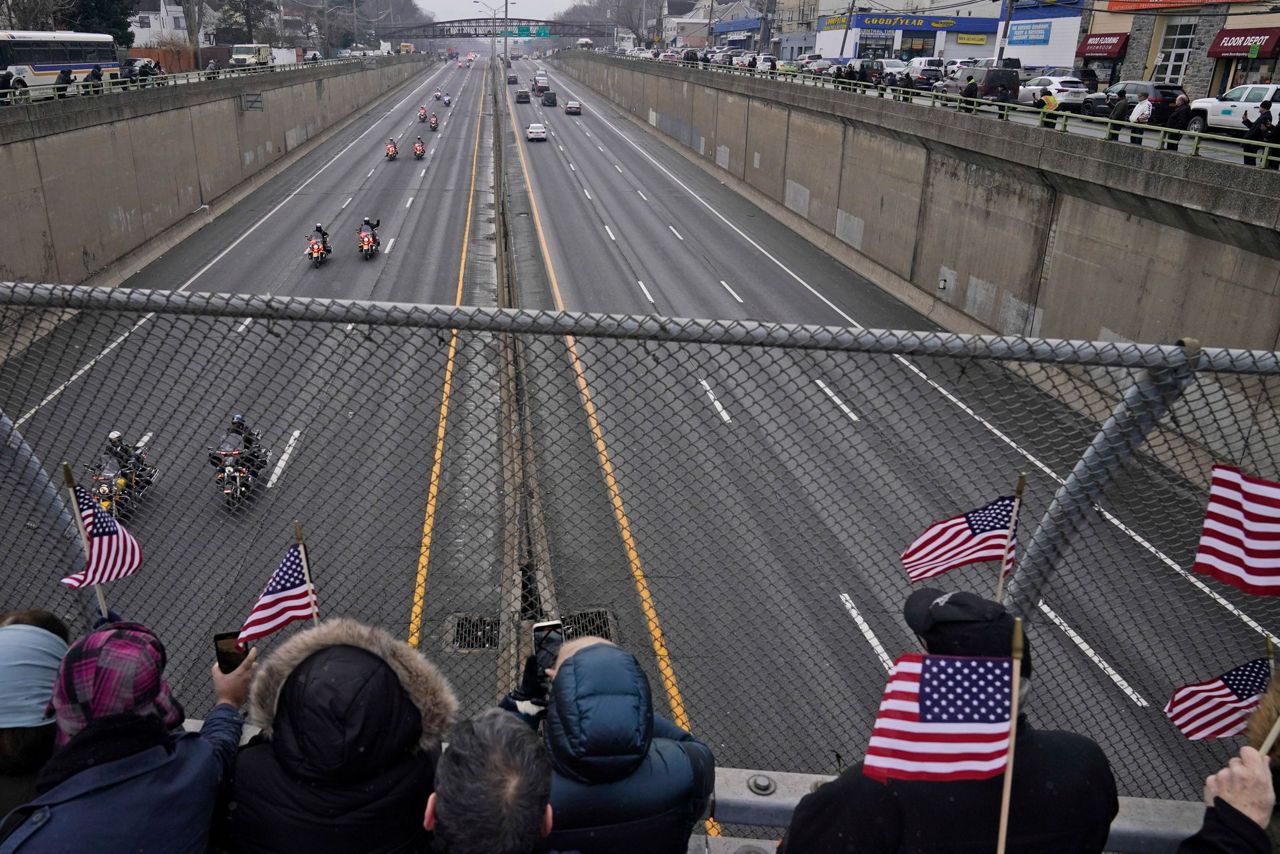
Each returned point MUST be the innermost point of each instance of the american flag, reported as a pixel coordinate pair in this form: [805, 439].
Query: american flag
[113, 552]
[288, 596]
[942, 718]
[1240, 542]
[1219, 707]
[973, 537]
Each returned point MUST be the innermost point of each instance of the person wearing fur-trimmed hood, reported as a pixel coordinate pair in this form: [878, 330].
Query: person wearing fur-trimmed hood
[352, 721]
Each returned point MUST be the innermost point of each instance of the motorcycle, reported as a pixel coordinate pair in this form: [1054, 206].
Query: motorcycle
[315, 251]
[437, 95]
[392, 151]
[422, 114]
[367, 246]
[435, 123]
[447, 100]
[237, 469]
[117, 488]
[419, 150]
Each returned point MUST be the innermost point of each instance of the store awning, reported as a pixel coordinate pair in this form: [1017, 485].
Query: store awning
[1106, 45]
[1261, 43]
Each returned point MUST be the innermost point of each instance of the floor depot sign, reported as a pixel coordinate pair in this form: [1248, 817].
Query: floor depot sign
[882, 21]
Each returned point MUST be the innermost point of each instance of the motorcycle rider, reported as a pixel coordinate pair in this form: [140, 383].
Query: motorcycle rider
[372, 228]
[447, 99]
[128, 456]
[419, 145]
[323, 237]
[391, 147]
[253, 459]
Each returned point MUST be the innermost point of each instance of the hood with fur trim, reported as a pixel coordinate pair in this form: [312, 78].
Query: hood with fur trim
[336, 670]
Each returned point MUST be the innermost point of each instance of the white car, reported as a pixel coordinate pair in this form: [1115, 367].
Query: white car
[1069, 91]
[1225, 113]
[669, 56]
[741, 60]
[535, 132]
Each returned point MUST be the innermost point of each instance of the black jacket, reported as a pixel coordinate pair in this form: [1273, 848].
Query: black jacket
[625, 779]
[1226, 830]
[351, 726]
[970, 90]
[1064, 798]
[1257, 128]
[1179, 118]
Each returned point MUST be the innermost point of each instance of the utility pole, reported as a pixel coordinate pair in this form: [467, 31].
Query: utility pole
[711, 5]
[848, 19]
[1004, 40]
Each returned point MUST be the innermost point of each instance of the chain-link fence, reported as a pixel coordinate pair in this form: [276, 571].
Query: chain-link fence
[726, 499]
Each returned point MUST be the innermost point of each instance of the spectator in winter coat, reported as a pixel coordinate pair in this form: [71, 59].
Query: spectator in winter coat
[32, 644]
[1119, 112]
[969, 93]
[1238, 802]
[625, 779]
[493, 788]
[1258, 130]
[62, 82]
[119, 778]
[1178, 119]
[351, 721]
[1064, 796]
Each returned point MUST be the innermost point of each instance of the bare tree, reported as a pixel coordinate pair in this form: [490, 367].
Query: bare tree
[36, 14]
[193, 17]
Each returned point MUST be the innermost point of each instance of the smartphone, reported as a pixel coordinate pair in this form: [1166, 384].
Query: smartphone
[548, 637]
[229, 653]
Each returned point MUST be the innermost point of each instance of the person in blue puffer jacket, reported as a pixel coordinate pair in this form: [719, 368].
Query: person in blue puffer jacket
[624, 778]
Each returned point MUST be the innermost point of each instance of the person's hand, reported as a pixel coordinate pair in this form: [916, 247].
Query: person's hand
[533, 682]
[233, 688]
[1245, 784]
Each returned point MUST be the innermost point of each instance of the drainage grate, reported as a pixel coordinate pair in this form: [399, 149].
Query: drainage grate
[601, 623]
[475, 631]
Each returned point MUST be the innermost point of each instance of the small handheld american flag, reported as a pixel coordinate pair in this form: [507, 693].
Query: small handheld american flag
[1219, 707]
[942, 718]
[113, 552]
[973, 537]
[289, 596]
[1240, 541]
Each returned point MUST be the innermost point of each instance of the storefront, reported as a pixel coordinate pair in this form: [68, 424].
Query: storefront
[1244, 56]
[877, 36]
[1103, 52]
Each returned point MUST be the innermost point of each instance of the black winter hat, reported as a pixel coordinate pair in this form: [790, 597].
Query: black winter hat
[962, 623]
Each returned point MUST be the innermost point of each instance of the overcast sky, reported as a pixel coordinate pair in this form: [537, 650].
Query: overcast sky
[449, 10]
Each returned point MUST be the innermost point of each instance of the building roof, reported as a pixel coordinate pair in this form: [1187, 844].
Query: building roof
[679, 8]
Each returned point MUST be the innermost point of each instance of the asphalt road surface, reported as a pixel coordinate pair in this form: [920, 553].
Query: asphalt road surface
[745, 545]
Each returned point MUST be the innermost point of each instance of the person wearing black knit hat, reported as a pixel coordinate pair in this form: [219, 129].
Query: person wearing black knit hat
[1064, 794]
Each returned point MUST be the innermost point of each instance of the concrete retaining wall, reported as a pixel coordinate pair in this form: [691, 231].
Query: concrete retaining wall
[985, 225]
[85, 182]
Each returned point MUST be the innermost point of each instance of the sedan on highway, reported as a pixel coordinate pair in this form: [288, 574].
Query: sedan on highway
[536, 131]
[573, 108]
[1069, 91]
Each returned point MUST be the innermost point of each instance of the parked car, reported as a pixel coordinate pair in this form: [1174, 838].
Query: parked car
[573, 108]
[925, 71]
[807, 58]
[689, 55]
[955, 66]
[1069, 91]
[818, 67]
[763, 60]
[1161, 95]
[989, 81]
[878, 68]
[522, 96]
[535, 132]
[789, 66]
[668, 56]
[1225, 113]
[742, 59]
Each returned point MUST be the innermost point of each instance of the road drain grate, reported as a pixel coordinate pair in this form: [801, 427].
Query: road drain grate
[475, 631]
[601, 623]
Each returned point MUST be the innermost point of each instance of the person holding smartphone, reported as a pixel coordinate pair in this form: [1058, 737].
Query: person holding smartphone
[123, 775]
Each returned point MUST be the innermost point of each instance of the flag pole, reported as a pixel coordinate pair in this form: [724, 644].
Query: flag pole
[1013, 528]
[306, 570]
[1013, 736]
[84, 535]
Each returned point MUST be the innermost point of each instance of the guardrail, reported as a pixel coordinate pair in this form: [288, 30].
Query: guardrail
[88, 89]
[1216, 146]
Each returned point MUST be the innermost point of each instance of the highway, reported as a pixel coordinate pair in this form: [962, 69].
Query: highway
[746, 542]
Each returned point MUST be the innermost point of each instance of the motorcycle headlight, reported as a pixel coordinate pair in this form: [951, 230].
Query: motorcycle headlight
[104, 490]
[121, 482]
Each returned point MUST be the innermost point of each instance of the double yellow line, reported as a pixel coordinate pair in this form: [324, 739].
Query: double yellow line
[656, 637]
[437, 462]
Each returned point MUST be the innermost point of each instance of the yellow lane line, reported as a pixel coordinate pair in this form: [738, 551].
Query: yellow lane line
[437, 463]
[679, 716]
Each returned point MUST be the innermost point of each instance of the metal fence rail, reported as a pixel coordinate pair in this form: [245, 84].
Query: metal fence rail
[726, 499]
[1218, 146]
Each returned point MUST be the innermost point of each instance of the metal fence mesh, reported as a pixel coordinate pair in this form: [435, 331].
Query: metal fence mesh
[727, 501]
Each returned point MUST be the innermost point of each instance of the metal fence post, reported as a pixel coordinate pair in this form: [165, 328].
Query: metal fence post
[1145, 402]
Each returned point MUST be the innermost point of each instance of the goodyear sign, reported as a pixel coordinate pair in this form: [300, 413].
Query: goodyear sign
[889, 21]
